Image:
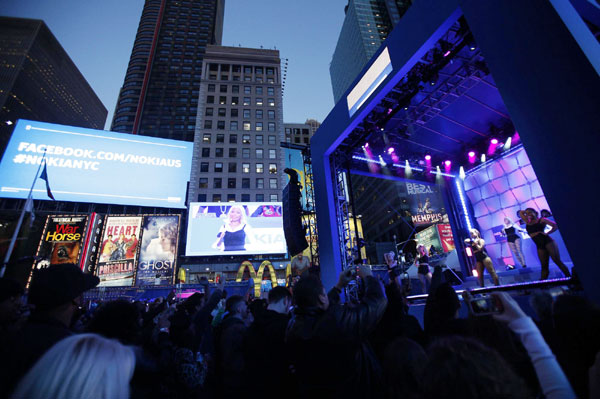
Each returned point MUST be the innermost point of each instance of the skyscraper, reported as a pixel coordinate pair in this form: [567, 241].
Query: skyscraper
[39, 81]
[300, 133]
[366, 25]
[237, 154]
[159, 96]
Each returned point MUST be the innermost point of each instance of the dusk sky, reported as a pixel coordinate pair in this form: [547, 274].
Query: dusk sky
[98, 35]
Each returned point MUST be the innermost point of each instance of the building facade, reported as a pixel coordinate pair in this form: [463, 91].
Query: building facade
[39, 81]
[239, 127]
[159, 96]
[300, 133]
[366, 26]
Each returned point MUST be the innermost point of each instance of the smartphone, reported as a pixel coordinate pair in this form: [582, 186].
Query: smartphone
[485, 305]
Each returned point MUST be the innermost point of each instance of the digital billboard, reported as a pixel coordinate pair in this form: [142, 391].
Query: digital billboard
[62, 240]
[426, 204]
[158, 252]
[86, 165]
[235, 228]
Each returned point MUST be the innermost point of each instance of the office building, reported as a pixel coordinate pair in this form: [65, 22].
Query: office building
[39, 81]
[159, 96]
[239, 128]
[300, 133]
[366, 26]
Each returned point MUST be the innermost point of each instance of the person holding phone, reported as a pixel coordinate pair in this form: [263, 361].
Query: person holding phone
[482, 259]
[546, 247]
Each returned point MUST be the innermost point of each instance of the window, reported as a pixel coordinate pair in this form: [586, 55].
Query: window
[203, 182]
[236, 68]
[247, 113]
[218, 167]
[222, 112]
[306, 140]
[260, 168]
[247, 89]
[270, 71]
[271, 126]
[211, 88]
[246, 101]
[201, 197]
[259, 153]
[235, 89]
[233, 139]
[247, 125]
[208, 112]
[222, 100]
[245, 152]
[258, 70]
[208, 124]
[232, 167]
[259, 90]
[247, 69]
[232, 152]
[231, 182]
[221, 125]
[271, 140]
[259, 101]
[230, 197]
[233, 125]
[273, 183]
[245, 197]
[272, 154]
[203, 167]
[273, 198]
[217, 182]
[297, 140]
[220, 138]
[271, 91]
[245, 168]
[219, 152]
[223, 88]
[259, 114]
[205, 152]
[246, 183]
[259, 139]
[259, 126]
[260, 182]
[206, 138]
[271, 102]
[260, 197]
[210, 99]
[235, 100]
[271, 114]
[216, 198]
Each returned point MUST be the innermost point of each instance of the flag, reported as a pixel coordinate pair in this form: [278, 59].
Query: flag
[44, 176]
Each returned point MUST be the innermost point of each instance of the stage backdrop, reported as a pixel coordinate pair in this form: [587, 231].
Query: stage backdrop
[499, 190]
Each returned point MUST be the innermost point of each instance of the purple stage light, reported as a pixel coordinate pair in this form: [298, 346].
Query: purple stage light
[471, 154]
[390, 150]
[428, 157]
[447, 53]
[448, 163]
[367, 145]
[494, 141]
[389, 111]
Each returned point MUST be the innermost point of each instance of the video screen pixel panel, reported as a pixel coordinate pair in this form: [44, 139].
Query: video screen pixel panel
[87, 165]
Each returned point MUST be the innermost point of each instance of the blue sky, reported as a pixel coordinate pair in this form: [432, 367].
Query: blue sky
[98, 36]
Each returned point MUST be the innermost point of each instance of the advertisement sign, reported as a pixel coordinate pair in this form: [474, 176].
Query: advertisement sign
[241, 228]
[86, 165]
[62, 240]
[158, 252]
[118, 251]
[446, 237]
[426, 204]
[428, 237]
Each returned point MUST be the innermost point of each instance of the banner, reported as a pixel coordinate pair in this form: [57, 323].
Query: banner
[158, 252]
[426, 204]
[446, 237]
[428, 237]
[118, 251]
[62, 240]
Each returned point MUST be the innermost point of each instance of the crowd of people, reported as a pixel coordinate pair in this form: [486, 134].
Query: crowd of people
[299, 343]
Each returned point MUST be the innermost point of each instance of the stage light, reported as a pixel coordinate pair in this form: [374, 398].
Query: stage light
[406, 108]
[389, 111]
[447, 53]
[461, 173]
[516, 138]
[471, 154]
[482, 158]
[472, 48]
[494, 141]
[367, 144]
[469, 252]
[428, 157]
[9, 123]
[475, 274]
[463, 204]
[381, 161]
[448, 163]
[390, 150]
[507, 144]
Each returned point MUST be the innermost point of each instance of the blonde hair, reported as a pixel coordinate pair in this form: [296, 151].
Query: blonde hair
[425, 251]
[477, 233]
[80, 366]
[242, 211]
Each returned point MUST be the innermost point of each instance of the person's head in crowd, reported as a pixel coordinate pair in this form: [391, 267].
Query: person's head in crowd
[446, 301]
[80, 366]
[118, 319]
[257, 306]
[460, 367]
[310, 293]
[193, 303]
[280, 300]
[403, 364]
[541, 302]
[11, 293]
[236, 307]
[56, 291]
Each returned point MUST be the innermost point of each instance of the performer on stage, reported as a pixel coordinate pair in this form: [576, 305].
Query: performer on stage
[481, 257]
[546, 247]
[422, 260]
[511, 231]
[235, 232]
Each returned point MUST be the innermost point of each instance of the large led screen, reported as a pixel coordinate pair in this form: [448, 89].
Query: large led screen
[235, 228]
[86, 165]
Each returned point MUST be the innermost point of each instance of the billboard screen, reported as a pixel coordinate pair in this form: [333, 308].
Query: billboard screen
[426, 204]
[240, 228]
[86, 165]
[158, 252]
[118, 250]
[62, 240]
